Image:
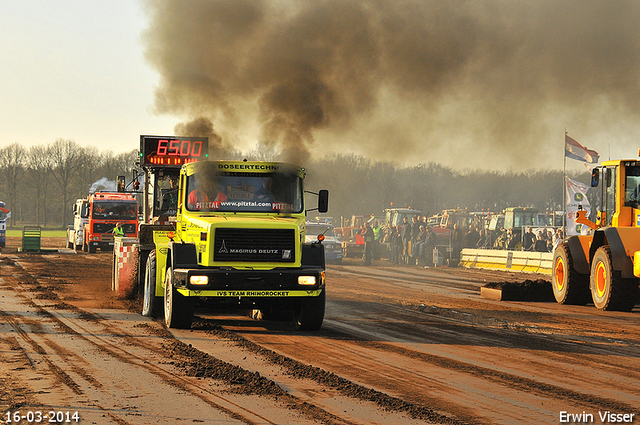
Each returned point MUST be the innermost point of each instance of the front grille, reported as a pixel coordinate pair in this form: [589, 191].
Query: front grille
[129, 228]
[103, 227]
[255, 245]
[108, 228]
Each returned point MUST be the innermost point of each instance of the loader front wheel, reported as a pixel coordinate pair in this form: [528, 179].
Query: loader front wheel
[178, 309]
[569, 286]
[608, 289]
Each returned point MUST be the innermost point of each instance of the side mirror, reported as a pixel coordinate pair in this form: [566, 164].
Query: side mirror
[595, 177]
[323, 201]
[84, 212]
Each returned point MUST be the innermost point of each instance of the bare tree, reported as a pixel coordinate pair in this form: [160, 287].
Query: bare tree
[12, 166]
[65, 161]
[89, 171]
[125, 163]
[39, 175]
[112, 165]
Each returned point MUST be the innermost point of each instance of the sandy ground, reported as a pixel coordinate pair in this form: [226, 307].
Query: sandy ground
[398, 345]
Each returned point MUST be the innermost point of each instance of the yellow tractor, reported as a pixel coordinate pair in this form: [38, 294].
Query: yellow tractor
[604, 266]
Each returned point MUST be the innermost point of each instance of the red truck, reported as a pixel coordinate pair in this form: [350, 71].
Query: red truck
[98, 215]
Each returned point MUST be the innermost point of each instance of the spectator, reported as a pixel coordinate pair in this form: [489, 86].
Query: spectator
[378, 234]
[406, 236]
[471, 238]
[541, 243]
[456, 242]
[367, 233]
[549, 239]
[420, 241]
[396, 244]
[430, 245]
[387, 239]
[415, 228]
[558, 238]
[529, 240]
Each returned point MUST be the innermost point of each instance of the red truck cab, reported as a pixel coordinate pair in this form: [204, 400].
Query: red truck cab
[105, 211]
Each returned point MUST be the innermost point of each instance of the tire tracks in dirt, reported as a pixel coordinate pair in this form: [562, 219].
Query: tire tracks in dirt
[466, 341]
[69, 323]
[69, 359]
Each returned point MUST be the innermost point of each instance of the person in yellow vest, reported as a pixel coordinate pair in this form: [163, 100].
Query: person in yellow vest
[377, 239]
[117, 231]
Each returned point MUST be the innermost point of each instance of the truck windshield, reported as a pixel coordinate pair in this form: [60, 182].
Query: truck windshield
[2, 215]
[245, 192]
[632, 187]
[109, 210]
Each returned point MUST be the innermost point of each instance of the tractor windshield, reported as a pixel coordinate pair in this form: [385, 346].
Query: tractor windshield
[245, 192]
[632, 187]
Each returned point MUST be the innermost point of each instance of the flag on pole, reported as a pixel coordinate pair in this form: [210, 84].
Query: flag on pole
[575, 150]
[576, 197]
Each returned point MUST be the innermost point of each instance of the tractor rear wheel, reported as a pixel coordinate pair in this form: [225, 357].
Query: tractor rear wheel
[608, 289]
[569, 286]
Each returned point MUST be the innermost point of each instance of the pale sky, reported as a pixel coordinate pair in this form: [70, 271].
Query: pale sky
[74, 69]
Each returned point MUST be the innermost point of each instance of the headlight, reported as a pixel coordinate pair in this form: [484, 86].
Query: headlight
[306, 280]
[199, 280]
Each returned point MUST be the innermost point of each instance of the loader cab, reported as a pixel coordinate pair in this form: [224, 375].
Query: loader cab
[605, 179]
[617, 191]
[632, 186]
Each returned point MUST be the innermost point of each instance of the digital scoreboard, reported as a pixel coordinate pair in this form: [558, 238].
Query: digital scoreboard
[172, 151]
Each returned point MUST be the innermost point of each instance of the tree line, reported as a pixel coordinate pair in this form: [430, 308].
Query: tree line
[364, 187]
[41, 183]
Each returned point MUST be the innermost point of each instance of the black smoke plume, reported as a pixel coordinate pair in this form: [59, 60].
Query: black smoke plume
[490, 84]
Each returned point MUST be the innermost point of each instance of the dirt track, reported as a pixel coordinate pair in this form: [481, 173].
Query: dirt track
[399, 345]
